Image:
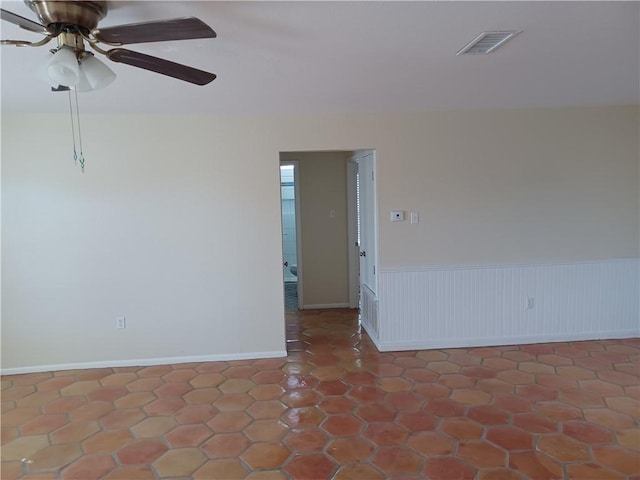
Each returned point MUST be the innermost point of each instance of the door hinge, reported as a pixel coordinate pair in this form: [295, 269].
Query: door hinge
[372, 176]
[374, 269]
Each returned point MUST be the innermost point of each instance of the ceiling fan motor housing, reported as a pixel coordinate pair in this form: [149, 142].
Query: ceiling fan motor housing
[63, 13]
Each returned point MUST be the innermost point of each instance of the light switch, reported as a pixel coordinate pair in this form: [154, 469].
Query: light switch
[332, 213]
[415, 218]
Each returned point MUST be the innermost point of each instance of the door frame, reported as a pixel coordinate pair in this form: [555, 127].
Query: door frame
[296, 189]
[352, 233]
[372, 248]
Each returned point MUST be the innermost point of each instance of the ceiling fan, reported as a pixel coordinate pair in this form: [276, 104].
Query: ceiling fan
[74, 22]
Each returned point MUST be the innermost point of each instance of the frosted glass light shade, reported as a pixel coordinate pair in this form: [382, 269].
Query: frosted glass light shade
[96, 73]
[62, 68]
[83, 83]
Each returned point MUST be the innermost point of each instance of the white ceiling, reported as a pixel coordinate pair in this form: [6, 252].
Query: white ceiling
[316, 57]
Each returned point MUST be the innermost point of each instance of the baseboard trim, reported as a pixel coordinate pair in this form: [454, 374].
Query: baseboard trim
[500, 341]
[144, 362]
[321, 306]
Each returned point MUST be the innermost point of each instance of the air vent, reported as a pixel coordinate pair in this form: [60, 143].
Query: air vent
[487, 42]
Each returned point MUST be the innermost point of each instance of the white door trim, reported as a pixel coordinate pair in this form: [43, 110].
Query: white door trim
[372, 246]
[352, 235]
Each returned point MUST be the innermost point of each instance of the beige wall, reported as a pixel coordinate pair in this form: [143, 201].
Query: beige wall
[176, 222]
[323, 187]
[514, 186]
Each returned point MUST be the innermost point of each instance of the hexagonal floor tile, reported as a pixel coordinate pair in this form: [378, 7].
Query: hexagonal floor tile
[397, 461]
[227, 468]
[266, 455]
[448, 467]
[306, 440]
[385, 434]
[188, 435]
[153, 427]
[89, 467]
[350, 450]
[510, 438]
[224, 445]
[53, 457]
[481, 454]
[303, 417]
[180, 461]
[358, 472]
[312, 465]
[563, 448]
[141, 451]
[267, 430]
[342, 425]
[430, 443]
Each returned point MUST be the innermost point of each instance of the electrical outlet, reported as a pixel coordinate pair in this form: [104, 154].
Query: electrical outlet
[121, 322]
[531, 303]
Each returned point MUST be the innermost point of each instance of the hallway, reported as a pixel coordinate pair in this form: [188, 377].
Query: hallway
[335, 408]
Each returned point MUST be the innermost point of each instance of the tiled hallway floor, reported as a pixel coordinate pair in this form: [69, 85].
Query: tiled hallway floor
[336, 409]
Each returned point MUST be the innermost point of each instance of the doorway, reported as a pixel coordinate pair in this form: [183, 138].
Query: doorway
[320, 192]
[290, 220]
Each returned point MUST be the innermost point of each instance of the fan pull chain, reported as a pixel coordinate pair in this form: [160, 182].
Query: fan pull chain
[81, 159]
[76, 157]
[73, 131]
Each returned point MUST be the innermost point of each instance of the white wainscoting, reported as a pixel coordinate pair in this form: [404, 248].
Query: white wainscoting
[369, 314]
[488, 305]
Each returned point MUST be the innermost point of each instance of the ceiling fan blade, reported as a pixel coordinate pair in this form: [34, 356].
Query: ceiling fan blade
[157, 31]
[22, 22]
[159, 65]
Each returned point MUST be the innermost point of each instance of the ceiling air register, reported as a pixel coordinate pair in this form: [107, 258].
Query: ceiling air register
[487, 42]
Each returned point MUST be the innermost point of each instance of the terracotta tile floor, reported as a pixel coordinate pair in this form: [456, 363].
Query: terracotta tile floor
[335, 408]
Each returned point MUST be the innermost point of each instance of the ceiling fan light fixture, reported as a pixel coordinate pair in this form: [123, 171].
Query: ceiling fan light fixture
[94, 73]
[83, 84]
[62, 68]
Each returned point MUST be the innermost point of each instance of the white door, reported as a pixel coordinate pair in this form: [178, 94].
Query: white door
[367, 214]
